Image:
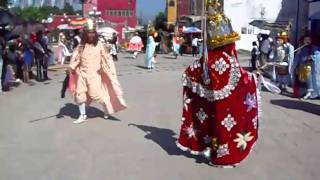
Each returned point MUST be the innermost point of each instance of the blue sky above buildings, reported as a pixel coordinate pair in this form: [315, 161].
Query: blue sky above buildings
[147, 9]
[150, 8]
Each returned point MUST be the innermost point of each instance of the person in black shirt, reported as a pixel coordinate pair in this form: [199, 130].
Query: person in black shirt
[41, 56]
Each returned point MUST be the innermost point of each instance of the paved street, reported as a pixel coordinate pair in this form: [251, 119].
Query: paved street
[38, 140]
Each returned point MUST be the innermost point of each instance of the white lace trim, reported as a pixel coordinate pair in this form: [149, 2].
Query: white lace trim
[214, 95]
[183, 148]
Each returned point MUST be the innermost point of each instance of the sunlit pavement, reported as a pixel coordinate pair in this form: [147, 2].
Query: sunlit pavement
[38, 140]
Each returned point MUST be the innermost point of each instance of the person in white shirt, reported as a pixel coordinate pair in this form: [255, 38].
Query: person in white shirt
[195, 46]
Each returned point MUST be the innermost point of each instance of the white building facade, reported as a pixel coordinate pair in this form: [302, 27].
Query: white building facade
[242, 12]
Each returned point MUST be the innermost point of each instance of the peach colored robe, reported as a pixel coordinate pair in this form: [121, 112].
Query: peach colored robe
[95, 78]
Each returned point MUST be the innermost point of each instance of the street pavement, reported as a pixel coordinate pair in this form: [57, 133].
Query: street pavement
[38, 140]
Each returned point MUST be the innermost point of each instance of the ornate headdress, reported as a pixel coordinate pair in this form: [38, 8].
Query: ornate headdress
[151, 29]
[283, 35]
[90, 25]
[219, 28]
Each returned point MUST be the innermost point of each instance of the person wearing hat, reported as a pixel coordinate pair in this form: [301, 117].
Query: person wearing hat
[306, 68]
[220, 99]
[93, 76]
[282, 61]
[150, 49]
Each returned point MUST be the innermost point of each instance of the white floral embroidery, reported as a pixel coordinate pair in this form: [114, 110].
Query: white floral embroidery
[207, 153]
[196, 64]
[223, 150]
[220, 66]
[243, 140]
[255, 122]
[191, 132]
[186, 101]
[251, 101]
[214, 95]
[184, 80]
[201, 115]
[228, 122]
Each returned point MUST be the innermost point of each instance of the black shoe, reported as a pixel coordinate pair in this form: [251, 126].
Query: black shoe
[63, 95]
[47, 79]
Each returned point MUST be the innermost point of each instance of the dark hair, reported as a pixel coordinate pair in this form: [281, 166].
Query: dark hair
[84, 38]
[254, 43]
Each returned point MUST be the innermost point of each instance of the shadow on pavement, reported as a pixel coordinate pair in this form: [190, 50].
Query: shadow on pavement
[72, 111]
[142, 67]
[42, 119]
[128, 57]
[298, 105]
[166, 140]
[169, 57]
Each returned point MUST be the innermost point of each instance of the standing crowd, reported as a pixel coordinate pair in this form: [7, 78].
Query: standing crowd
[20, 55]
[287, 66]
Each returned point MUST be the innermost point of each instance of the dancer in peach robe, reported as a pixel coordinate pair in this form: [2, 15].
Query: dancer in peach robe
[94, 76]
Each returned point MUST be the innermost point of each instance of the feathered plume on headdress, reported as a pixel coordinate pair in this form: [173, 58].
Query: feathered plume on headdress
[90, 25]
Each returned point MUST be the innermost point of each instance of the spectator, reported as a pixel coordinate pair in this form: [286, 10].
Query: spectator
[195, 41]
[63, 51]
[254, 55]
[114, 47]
[13, 62]
[265, 49]
[76, 38]
[41, 57]
[27, 62]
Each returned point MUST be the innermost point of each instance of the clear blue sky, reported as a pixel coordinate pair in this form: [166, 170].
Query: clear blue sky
[150, 8]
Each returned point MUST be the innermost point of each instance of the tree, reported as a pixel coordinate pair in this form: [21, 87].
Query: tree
[160, 21]
[68, 9]
[33, 14]
[4, 3]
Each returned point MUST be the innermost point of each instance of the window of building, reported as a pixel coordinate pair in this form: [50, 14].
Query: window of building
[192, 7]
[244, 30]
[123, 12]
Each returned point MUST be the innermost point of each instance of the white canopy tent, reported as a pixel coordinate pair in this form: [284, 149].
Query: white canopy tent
[106, 32]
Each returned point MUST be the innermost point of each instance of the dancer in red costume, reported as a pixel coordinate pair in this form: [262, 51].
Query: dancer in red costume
[220, 99]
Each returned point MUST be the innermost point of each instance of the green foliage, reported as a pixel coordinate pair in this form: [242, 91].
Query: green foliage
[37, 14]
[31, 14]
